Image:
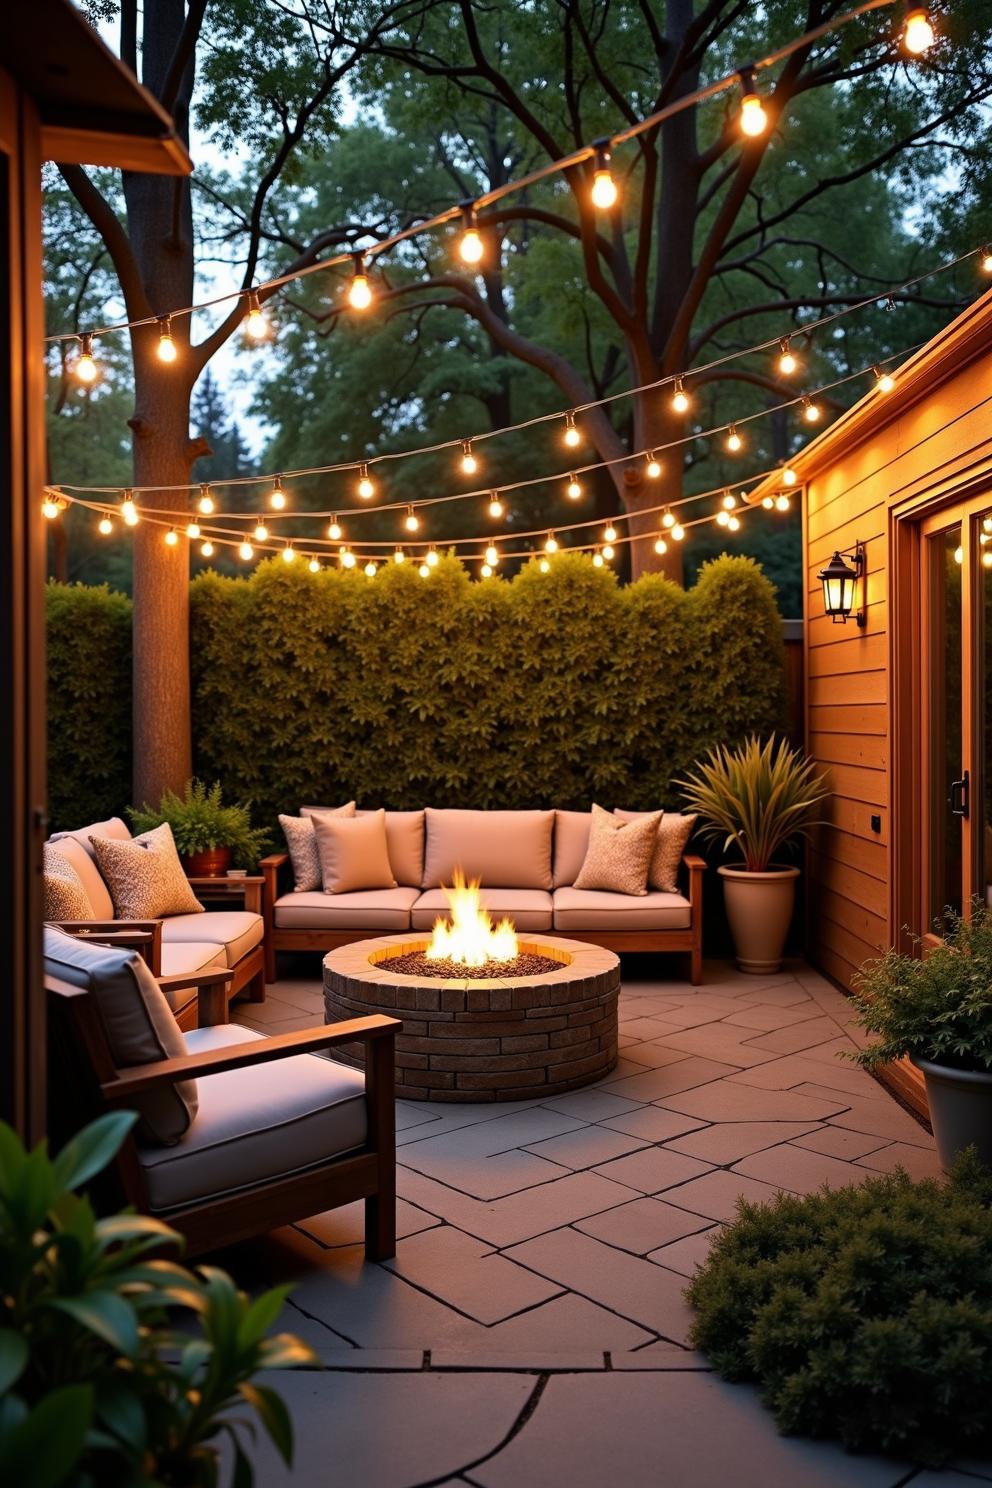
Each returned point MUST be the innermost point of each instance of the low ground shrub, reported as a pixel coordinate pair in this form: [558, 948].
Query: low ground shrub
[864, 1313]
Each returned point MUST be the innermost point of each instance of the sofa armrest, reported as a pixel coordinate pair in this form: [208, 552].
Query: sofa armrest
[144, 935]
[695, 867]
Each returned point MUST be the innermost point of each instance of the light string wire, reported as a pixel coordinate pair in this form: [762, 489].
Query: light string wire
[564, 164]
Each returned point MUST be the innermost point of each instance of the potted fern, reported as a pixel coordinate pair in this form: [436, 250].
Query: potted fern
[208, 834]
[757, 798]
[937, 1010]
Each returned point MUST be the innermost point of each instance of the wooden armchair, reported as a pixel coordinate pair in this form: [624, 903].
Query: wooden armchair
[211, 987]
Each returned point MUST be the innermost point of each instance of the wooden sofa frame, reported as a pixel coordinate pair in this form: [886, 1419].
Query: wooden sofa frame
[96, 1084]
[689, 939]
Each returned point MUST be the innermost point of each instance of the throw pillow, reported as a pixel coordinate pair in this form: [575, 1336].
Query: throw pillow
[65, 894]
[619, 853]
[674, 832]
[302, 846]
[353, 851]
[145, 877]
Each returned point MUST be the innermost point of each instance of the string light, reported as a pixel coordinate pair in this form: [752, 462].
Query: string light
[768, 502]
[729, 501]
[959, 555]
[366, 485]
[678, 532]
[544, 566]
[604, 188]
[884, 381]
[492, 556]
[753, 118]
[597, 559]
[574, 488]
[734, 441]
[918, 35]
[812, 412]
[789, 476]
[571, 437]
[787, 360]
[105, 526]
[722, 518]
[261, 532]
[470, 245]
[206, 501]
[661, 547]
[412, 520]
[495, 505]
[469, 463]
[987, 560]
[207, 549]
[129, 512]
[84, 368]
[246, 551]
[256, 326]
[667, 518]
[424, 571]
[359, 290]
[193, 530]
[347, 557]
[334, 529]
[288, 555]
[166, 346]
[399, 556]
[985, 261]
[171, 537]
[551, 543]
[51, 506]
[486, 571]
[680, 398]
[370, 570]
[653, 468]
[432, 558]
[734, 524]
[782, 503]
[610, 534]
[608, 552]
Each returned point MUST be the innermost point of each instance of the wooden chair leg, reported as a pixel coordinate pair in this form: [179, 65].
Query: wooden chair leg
[380, 1207]
[270, 960]
[256, 987]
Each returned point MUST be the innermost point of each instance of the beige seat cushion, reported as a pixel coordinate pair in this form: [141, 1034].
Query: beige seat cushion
[501, 849]
[674, 832]
[257, 1123]
[190, 956]
[619, 853]
[376, 909]
[65, 896]
[405, 840]
[353, 852]
[572, 830]
[80, 857]
[595, 909]
[529, 909]
[236, 931]
[138, 1021]
[302, 844]
[144, 876]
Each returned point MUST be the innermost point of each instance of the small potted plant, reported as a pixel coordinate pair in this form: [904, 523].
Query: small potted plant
[208, 834]
[757, 798]
[937, 1010]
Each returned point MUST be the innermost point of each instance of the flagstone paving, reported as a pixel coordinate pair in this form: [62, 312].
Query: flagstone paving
[532, 1329]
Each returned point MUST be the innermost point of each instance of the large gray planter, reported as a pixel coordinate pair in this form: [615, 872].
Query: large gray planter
[960, 1110]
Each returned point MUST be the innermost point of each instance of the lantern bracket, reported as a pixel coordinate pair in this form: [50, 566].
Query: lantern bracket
[857, 557]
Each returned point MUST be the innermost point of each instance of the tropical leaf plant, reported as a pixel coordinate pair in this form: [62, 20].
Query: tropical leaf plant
[119, 1366]
[757, 798]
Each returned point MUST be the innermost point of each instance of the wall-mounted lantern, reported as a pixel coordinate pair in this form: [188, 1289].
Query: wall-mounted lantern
[840, 580]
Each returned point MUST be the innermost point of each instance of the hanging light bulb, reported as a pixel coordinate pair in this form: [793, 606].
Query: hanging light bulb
[787, 359]
[84, 368]
[206, 501]
[492, 556]
[753, 118]
[597, 559]
[782, 503]
[486, 571]
[987, 559]
[171, 538]
[370, 570]
[129, 512]
[661, 547]
[604, 188]
[399, 556]
[729, 501]
[469, 463]
[544, 566]
[812, 412]
[985, 260]
[653, 468]
[256, 326]
[105, 526]
[246, 551]
[261, 532]
[610, 534]
[551, 543]
[412, 520]
[574, 488]
[192, 530]
[314, 565]
[607, 552]
[51, 506]
[667, 518]
[959, 555]
[987, 524]
[166, 346]
[678, 532]
[918, 34]
[366, 485]
[789, 476]
[277, 496]
[424, 571]
[288, 555]
[768, 502]
[432, 557]
[884, 381]
[359, 290]
[207, 549]
[734, 441]
[348, 559]
[571, 437]
[680, 398]
[334, 529]
[734, 524]
[495, 505]
[722, 518]
[470, 246]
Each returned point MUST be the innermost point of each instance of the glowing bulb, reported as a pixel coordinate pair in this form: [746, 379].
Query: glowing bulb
[768, 502]
[734, 524]
[985, 262]
[782, 503]
[432, 558]
[171, 537]
[105, 526]
[256, 326]
[277, 496]
[610, 535]
[470, 245]
[607, 552]
[348, 559]
[366, 486]
[959, 555]
[753, 118]
[661, 547]
[787, 362]
[987, 559]
[261, 532]
[492, 556]
[729, 501]
[722, 519]
[551, 543]
[597, 560]
[359, 290]
[789, 476]
[370, 570]
[399, 556]
[166, 346]
[246, 551]
[334, 530]
[486, 571]
[207, 549]
[678, 532]
[314, 565]
[544, 566]
[734, 440]
[680, 398]
[206, 502]
[571, 437]
[424, 571]
[50, 508]
[495, 506]
[884, 381]
[193, 530]
[653, 468]
[84, 367]
[574, 488]
[288, 556]
[412, 520]
[987, 524]
[604, 188]
[811, 411]
[918, 35]
[667, 518]
[469, 463]
[129, 511]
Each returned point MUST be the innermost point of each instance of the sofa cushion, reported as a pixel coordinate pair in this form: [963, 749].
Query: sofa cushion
[81, 859]
[674, 832]
[572, 830]
[65, 896]
[235, 931]
[619, 853]
[113, 827]
[353, 852]
[138, 1022]
[375, 909]
[501, 849]
[595, 909]
[257, 1123]
[529, 909]
[144, 875]
[302, 844]
[191, 955]
[405, 840]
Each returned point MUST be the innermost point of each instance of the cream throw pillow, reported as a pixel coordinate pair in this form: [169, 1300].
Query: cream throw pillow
[354, 853]
[144, 876]
[302, 845]
[619, 853]
[674, 832]
[65, 894]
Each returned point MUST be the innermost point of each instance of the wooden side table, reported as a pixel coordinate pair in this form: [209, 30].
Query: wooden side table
[249, 889]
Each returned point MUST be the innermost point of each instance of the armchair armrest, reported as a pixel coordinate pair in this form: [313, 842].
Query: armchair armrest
[695, 867]
[137, 1079]
[212, 987]
[144, 935]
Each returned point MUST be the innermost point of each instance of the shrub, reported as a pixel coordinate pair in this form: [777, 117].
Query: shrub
[200, 822]
[89, 703]
[864, 1313]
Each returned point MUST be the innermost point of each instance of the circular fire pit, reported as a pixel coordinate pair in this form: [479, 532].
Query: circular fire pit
[472, 1038]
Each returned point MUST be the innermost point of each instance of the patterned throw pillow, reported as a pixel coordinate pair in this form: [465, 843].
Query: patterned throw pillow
[674, 832]
[302, 845]
[619, 853]
[144, 876]
[65, 896]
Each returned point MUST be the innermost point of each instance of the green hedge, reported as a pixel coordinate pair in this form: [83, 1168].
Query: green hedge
[89, 703]
[555, 688]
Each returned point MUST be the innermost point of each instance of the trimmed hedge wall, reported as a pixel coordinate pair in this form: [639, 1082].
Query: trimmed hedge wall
[546, 689]
[89, 703]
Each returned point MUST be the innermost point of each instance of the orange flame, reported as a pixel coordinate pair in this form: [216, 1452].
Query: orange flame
[470, 938]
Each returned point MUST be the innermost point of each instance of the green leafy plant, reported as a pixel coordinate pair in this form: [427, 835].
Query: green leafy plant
[757, 797]
[936, 1007]
[98, 1384]
[200, 821]
[863, 1313]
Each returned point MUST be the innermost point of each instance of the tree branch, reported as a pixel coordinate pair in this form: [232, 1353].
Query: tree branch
[105, 220]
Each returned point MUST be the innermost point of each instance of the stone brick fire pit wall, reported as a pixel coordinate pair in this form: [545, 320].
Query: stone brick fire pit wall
[513, 1038]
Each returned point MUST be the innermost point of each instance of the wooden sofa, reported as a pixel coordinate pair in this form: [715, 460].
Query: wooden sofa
[545, 900]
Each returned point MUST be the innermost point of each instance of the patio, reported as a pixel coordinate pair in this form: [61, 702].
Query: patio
[531, 1329]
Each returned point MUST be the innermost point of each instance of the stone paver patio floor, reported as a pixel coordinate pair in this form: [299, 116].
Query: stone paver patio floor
[531, 1331]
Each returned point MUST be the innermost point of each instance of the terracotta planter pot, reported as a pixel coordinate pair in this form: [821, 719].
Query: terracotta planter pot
[213, 863]
[759, 909]
[960, 1109]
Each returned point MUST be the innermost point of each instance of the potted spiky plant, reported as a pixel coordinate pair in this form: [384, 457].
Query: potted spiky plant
[757, 798]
